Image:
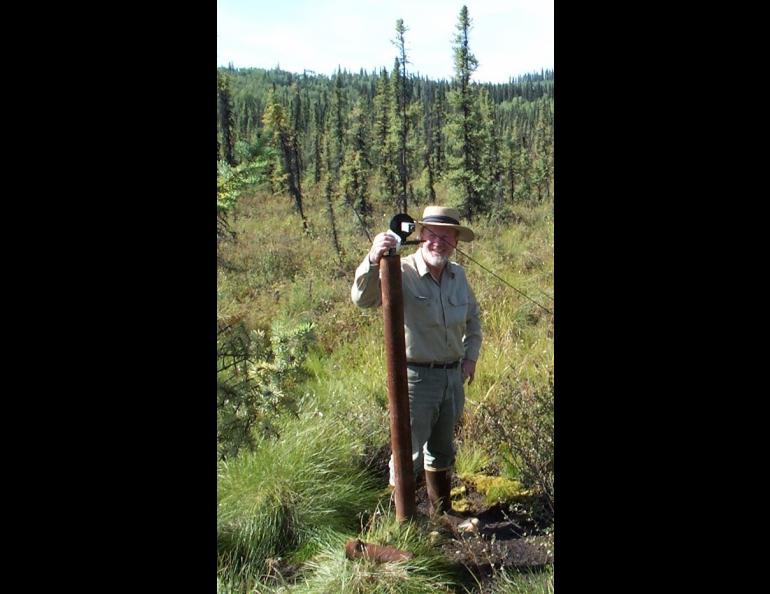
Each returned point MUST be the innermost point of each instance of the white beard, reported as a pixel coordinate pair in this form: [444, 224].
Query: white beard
[435, 259]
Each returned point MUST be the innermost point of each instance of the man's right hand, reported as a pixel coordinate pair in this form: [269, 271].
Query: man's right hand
[382, 243]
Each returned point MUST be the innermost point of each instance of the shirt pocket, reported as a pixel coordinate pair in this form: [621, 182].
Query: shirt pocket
[421, 310]
[457, 312]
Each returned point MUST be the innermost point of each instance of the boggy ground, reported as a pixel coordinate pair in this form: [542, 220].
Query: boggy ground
[514, 537]
[507, 536]
[511, 536]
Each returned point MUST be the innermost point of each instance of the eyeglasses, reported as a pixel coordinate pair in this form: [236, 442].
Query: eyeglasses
[448, 237]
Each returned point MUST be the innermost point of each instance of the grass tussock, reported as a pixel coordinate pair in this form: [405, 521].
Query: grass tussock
[471, 459]
[526, 582]
[278, 498]
[330, 571]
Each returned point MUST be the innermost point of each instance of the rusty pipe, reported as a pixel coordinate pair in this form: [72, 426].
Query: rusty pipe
[358, 549]
[398, 388]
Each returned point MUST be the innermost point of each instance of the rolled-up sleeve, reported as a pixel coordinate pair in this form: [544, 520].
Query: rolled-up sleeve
[472, 336]
[366, 291]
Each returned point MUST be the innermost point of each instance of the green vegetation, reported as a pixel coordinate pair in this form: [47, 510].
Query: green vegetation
[278, 498]
[255, 381]
[507, 582]
[426, 572]
[308, 170]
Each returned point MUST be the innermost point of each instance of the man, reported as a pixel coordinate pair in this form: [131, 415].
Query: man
[442, 330]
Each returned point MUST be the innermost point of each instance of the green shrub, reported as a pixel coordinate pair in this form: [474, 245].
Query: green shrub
[256, 379]
[520, 425]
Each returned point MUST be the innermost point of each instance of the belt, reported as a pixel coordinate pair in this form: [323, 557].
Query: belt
[451, 365]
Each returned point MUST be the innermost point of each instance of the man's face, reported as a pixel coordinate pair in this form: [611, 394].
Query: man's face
[438, 244]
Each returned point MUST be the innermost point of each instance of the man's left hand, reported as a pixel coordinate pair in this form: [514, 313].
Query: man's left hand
[469, 370]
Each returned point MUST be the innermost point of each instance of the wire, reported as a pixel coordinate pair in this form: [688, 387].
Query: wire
[492, 273]
[363, 226]
[505, 281]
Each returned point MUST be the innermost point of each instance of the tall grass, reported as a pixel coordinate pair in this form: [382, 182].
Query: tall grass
[471, 459]
[330, 571]
[276, 499]
[526, 582]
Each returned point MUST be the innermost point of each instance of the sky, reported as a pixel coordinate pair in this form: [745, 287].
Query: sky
[508, 37]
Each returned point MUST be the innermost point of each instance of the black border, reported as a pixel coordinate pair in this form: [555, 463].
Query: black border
[129, 269]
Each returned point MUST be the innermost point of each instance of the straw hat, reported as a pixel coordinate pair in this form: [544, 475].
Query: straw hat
[442, 216]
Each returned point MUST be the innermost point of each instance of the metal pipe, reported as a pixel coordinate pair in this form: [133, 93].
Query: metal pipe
[358, 549]
[398, 387]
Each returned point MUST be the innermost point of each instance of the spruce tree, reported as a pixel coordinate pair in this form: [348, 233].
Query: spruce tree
[464, 129]
[297, 126]
[338, 124]
[428, 166]
[355, 170]
[226, 120]
[319, 116]
[284, 141]
[543, 148]
[384, 145]
[491, 166]
[400, 105]
[329, 193]
[380, 119]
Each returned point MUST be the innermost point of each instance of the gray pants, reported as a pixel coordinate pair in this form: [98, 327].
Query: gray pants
[436, 401]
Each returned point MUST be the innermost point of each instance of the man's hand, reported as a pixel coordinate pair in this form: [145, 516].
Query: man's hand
[382, 243]
[469, 370]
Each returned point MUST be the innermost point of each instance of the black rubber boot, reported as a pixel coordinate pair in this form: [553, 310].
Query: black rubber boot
[439, 487]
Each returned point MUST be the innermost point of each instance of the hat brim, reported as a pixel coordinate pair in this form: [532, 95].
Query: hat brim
[465, 233]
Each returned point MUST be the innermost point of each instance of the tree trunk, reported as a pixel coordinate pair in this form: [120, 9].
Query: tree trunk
[330, 210]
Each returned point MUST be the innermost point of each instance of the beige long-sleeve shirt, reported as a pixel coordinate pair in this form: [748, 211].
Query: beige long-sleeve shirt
[441, 321]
